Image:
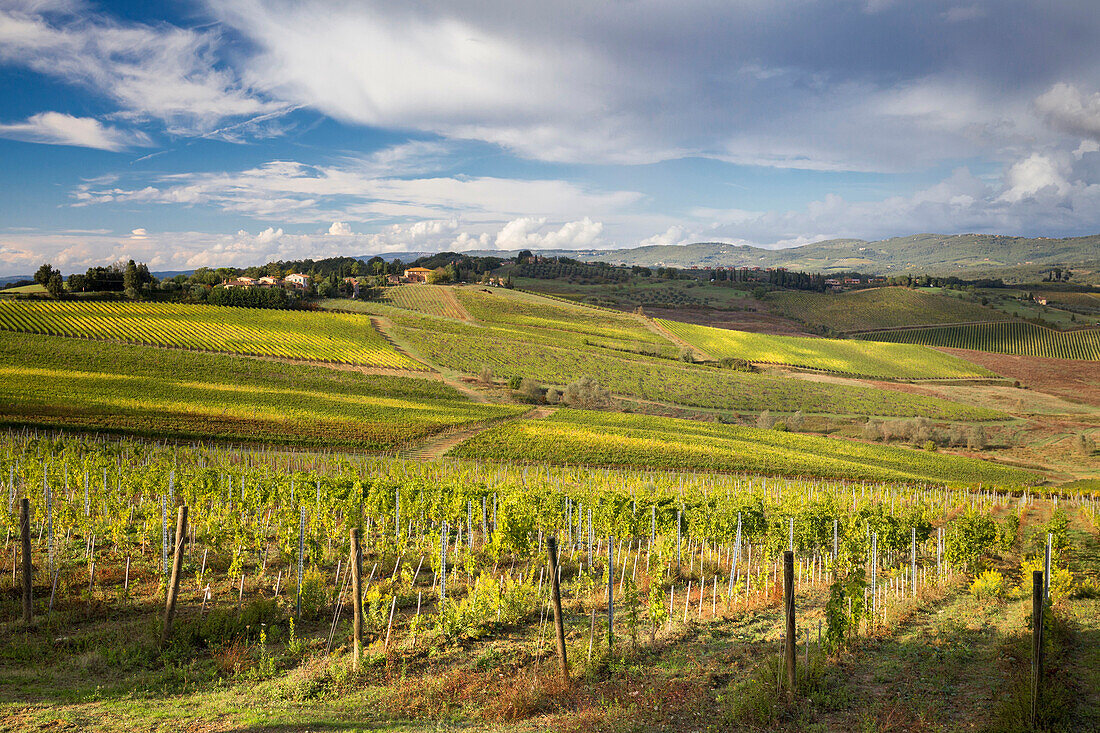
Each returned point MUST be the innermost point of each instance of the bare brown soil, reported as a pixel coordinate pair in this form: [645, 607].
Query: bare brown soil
[1072, 379]
[758, 321]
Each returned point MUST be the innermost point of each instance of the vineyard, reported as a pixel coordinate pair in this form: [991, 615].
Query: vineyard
[332, 337]
[433, 300]
[873, 308]
[468, 349]
[88, 385]
[888, 361]
[1019, 339]
[605, 439]
[535, 315]
[454, 563]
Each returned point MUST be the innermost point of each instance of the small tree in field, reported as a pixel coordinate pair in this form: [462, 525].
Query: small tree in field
[765, 420]
[486, 374]
[586, 393]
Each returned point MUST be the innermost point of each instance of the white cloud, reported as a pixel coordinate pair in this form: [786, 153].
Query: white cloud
[298, 193]
[1035, 174]
[1068, 109]
[139, 233]
[56, 128]
[675, 234]
[339, 229]
[527, 233]
[158, 71]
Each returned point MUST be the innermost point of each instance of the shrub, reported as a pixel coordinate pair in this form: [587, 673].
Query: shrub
[796, 421]
[314, 595]
[515, 382]
[1061, 584]
[553, 396]
[586, 393]
[486, 374]
[765, 420]
[989, 584]
[532, 389]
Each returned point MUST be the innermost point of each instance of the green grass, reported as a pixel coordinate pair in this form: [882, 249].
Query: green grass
[605, 439]
[86, 385]
[893, 361]
[35, 289]
[1020, 339]
[336, 337]
[890, 307]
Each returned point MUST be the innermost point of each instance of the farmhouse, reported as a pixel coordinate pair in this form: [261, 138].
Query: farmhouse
[417, 274]
[298, 280]
[268, 281]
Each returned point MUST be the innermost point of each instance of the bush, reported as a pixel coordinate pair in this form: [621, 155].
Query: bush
[532, 389]
[989, 584]
[515, 382]
[586, 393]
[765, 420]
[553, 396]
[486, 374]
[314, 595]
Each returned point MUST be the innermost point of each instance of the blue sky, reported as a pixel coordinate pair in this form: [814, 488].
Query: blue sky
[234, 132]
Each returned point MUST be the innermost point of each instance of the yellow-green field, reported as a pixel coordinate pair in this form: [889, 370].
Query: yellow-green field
[334, 337]
[832, 355]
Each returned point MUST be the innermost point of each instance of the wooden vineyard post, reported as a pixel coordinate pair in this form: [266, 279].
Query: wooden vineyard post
[1037, 590]
[356, 561]
[25, 531]
[555, 598]
[174, 582]
[788, 604]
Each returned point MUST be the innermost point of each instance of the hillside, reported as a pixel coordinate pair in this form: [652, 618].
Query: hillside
[861, 310]
[934, 254]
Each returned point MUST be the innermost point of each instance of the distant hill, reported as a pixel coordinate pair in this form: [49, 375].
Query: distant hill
[936, 254]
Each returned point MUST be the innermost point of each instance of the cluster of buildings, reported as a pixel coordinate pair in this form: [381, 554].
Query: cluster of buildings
[294, 280]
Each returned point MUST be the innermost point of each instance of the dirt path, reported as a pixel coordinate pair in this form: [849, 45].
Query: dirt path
[437, 446]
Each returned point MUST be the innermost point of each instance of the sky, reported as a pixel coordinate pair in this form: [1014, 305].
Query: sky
[234, 132]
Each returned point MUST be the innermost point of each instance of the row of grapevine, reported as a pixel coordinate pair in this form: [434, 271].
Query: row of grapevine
[332, 337]
[1016, 338]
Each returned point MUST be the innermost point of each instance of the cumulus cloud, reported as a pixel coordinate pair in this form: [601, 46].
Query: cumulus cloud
[339, 229]
[1070, 110]
[528, 233]
[56, 128]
